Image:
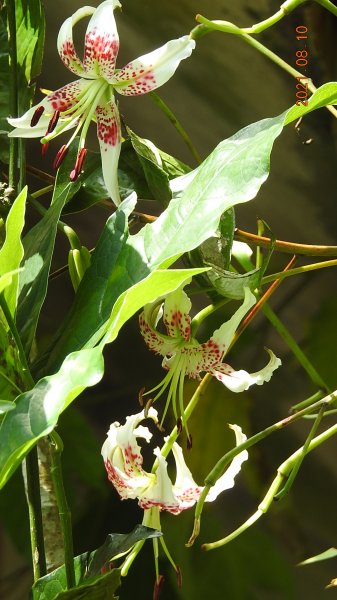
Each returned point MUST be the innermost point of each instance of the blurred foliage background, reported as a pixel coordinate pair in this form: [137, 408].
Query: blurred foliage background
[223, 87]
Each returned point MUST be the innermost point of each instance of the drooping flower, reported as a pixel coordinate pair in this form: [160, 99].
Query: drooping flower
[92, 96]
[184, 355]
[124, 464]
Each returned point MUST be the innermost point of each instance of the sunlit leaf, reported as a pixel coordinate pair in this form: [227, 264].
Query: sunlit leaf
[330, 553]
[37, 411]
[38, 251]
[11, 252]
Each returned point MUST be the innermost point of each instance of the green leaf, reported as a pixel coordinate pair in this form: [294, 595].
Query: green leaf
[157, 284]
[6, 406]
[30, 33]
[231, 284]
[150, 159]
[99, 588]
[88, 567]
[326, 94]
[38, 251]
[37, 411]
[11, 252]
[330, 553]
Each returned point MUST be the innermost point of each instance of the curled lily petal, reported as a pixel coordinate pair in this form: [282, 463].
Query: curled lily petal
[102, 42]
[152, 70]
[224, 335]
[109, 137]
[65, 43]
[226, 481]
[239, 381]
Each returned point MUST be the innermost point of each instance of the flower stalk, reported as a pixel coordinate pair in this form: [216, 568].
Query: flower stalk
[283, 473]
[221, 465]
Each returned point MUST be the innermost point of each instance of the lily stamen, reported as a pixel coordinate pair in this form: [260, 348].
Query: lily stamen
[37, 116]
[53, 122]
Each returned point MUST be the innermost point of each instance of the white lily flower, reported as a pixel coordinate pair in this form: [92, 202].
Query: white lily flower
[92, 96]
[184, 355]
[124, 464]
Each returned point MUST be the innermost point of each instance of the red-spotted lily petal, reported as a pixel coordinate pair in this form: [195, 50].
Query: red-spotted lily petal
[239, 381]
[223, 336]
[154, 69]
[65, 43]
[123, 462]
[226, 481]
[35, 122]
[122, 455]
[102, 42]
[176, 315]
[109, 137]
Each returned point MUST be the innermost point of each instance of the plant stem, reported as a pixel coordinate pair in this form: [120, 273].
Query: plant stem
[294, 347]
[13, 174]
[285, 490]
[30, 383]
[176, 123]
[64, 512]
[283, 246]
[32, 467]
[227, 27]
[283, 472]
[35, 514]
[304, 269]
[221, 465]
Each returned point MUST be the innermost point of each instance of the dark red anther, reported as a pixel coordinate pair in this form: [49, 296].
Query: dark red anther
[44, 148]
[189, 442]
[78, 165]
[53, 121]
[158, 587]
[179, 425]
[179, 577]
[60, 156]
[37, 116]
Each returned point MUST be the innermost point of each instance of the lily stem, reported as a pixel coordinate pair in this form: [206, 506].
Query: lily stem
[176, 123]
[298, 270]
[13, 174]
[35, 515]
[64, 512]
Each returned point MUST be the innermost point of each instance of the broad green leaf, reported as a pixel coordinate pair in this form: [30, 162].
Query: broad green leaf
[157, 284]
[330, 553]
[231, 284]
[88, 566]
[11, 252]
[215, 253]
[132, 176]
[30, 33]
[326, 94]
[101, 587]
[150, 159]
[37, 411]
[232, 174]
[38, 251]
